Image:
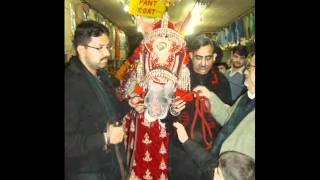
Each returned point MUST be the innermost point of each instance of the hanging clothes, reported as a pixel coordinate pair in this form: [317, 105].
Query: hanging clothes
[252, 25]
[232, 37]
[239, 30]
[245, 20]
[222, 40]
[225, 36]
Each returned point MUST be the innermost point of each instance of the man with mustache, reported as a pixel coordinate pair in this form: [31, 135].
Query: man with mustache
[91, 108]
[235, 74]
[203, 55]
[238, 126]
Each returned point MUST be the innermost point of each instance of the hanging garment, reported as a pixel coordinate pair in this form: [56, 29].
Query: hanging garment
[252, 25]
[232, 35]
[245, 20]
[239, 30]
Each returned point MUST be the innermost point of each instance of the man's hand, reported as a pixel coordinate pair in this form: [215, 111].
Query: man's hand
[178, 105]
[203, 91]
[115, 134]
[181, 131]
[137, 104]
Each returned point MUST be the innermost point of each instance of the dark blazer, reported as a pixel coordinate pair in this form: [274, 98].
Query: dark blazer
[85, 122]
[181, 166]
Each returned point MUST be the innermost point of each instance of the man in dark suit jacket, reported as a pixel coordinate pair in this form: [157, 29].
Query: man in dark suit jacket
[90, 108]
[202, 72]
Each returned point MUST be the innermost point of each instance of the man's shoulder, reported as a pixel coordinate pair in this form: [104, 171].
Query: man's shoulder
[222, 77]
[70, 74]
[228, 71]
[73, 69]
[73, 78]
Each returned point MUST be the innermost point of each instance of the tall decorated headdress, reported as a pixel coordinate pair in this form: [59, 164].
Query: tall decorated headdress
[164, 57]
[161, 70]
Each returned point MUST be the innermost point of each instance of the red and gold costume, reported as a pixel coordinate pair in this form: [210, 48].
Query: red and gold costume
[158, 74]
[147, 146]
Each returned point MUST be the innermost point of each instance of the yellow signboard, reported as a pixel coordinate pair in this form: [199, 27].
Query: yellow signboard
[149, 8]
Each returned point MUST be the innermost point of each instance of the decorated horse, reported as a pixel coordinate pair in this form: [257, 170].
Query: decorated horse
[159, 75]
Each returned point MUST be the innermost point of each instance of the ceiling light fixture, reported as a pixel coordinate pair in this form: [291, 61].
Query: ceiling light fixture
[195, 17]
[126, 8]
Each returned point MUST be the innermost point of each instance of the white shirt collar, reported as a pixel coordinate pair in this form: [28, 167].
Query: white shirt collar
[233, 71]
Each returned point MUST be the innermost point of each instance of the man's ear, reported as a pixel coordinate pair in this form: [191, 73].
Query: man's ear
[214, 57]
[80, 49]
[191, 55]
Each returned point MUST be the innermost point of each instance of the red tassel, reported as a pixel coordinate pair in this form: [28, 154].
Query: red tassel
[138, 89]
[184, 95]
